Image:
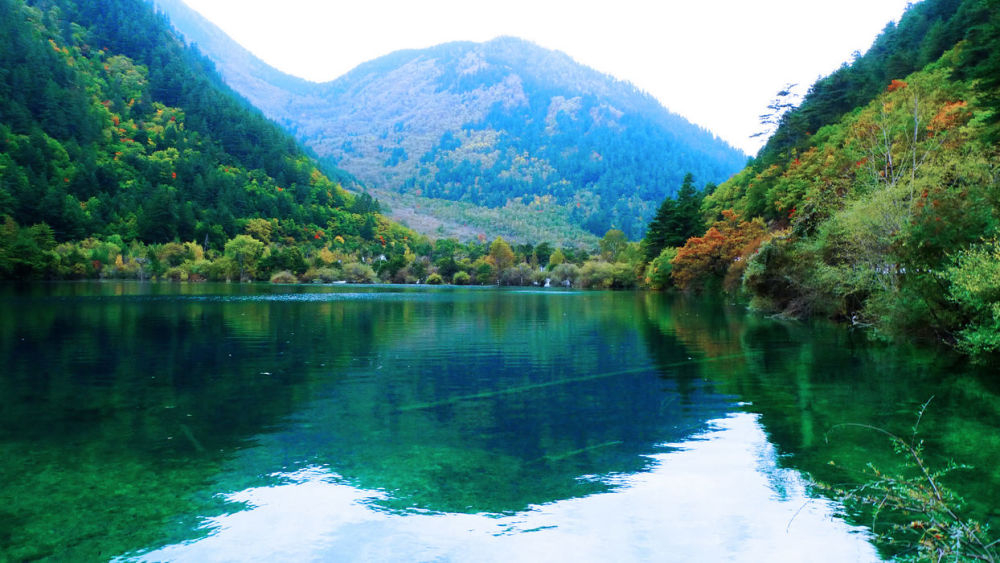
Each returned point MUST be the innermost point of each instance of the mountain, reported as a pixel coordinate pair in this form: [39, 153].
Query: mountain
[876, 200]
[114, 132]
[504, 124]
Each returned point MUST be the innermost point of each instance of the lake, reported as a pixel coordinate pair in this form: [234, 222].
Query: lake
[202, 422]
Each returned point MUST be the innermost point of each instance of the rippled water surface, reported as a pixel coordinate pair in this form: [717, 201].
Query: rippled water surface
[227, 422]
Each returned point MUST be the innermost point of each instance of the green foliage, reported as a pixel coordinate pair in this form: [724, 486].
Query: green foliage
[925, 31]
[613, 244]
[659, 269]
[676, 221]
[599, 274]
[866, 212]
[565, 274]
[979, 59]
[556, 258]
[974, 285]
[246, 252]
[140, 140]
[500, 256]
[913, 512]
[355, 272]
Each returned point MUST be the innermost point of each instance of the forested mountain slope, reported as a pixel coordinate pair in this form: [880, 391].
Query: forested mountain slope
[878, 199]
[111, 127]
[502, 123]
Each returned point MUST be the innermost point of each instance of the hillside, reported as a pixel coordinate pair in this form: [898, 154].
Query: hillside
[114, 133]
[877, 202]
[501, 123]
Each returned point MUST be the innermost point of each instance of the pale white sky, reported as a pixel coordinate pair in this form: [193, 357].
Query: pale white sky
[716, 62]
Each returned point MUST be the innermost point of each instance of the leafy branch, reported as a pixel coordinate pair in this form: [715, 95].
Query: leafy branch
[924, 517]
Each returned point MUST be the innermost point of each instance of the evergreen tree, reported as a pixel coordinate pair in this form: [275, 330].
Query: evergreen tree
[658, 230]
[676, 220]
[980, 59]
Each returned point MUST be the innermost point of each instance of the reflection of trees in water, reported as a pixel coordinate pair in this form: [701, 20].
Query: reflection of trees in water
[805, 378]
[549, 387]
[134, 403]
[673, 342]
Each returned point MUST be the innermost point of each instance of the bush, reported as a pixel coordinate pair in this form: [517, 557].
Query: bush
[721, 253]
[597, 274]
[284, 276]
[325, 275]
[658, 271]
[356, 272]
[521, 274]
[435, 279]
[461, 278]
[565, 274]
[224, 269]
[974, 279]
[919, 516]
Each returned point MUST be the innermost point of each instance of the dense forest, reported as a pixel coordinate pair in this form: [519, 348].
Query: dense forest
[125, 156]
[876, 201]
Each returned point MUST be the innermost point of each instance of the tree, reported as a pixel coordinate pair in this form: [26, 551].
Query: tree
[784, 101]
[675, 221]
[659, 229]
[246, 251]
[260, 229]
[721, 251]
[543, 251]
[612, 244]
[158, 220]
[980, 60]
[974, 278]
[556, 258]
[368, 228]
[658, 271]
[501, 256]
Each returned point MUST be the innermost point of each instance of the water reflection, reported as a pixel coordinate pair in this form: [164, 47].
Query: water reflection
[712, 498]
[216, 421]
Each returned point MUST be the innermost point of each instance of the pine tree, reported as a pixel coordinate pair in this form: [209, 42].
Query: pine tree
[676, 220]
[658, 231]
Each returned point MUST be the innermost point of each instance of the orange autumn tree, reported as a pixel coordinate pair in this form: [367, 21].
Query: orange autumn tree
[720, 253]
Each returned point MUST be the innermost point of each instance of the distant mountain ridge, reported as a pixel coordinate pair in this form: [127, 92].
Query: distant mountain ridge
[502, 124]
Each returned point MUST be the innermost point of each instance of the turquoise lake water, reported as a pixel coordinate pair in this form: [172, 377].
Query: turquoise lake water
[201, 422]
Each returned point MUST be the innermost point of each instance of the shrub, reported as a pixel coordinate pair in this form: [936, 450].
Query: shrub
[658, 271]
[919, 516]
[356, 272]
[284, 276]
[435, 279]
[565, 274]
[721, 253]
[596, 274]
[461, 278]
[974, 279]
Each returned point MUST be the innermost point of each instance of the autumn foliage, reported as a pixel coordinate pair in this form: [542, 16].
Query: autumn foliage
[896, 85]
[720, 253]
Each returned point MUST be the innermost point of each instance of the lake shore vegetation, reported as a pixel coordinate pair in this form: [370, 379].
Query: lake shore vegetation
[875, 201]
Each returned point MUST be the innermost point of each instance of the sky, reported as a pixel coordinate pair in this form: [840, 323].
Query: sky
[718, 63]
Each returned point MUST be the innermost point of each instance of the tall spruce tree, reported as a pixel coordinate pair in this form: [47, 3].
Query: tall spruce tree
[676, 220]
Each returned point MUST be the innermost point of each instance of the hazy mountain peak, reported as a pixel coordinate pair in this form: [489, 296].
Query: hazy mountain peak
[500, 123]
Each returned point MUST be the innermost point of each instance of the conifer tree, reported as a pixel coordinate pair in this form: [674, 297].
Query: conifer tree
[676, 220]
